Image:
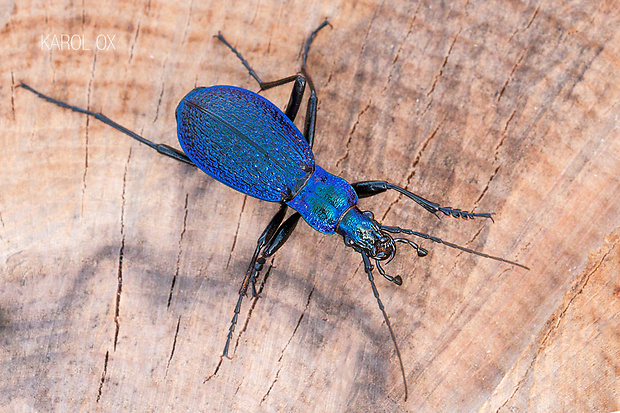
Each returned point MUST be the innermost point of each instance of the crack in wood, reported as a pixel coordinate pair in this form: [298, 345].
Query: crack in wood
[486, 187]
[273, 383]
[89, 90]
[350, 134]
[121, 252]
[400, 47]
[509, 78]
[133, 43]
[174, 344]
[161, 93]
[527, 26]
[552, 327]
[103, 374]
[13, 94]
[443, 65]
[416, 160]
[187, 22]
[232, 248]
[372, 21]
[217, 368]
[180, 251]
[301, 317]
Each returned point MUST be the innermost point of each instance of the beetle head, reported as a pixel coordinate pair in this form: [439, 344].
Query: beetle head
[365, 235]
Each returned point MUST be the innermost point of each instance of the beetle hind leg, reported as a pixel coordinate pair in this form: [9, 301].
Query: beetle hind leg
[304, 58]
[163, 149]
[270, 241]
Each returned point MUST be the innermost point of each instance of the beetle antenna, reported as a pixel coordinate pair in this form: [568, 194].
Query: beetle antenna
[368, 268]
[398, 230]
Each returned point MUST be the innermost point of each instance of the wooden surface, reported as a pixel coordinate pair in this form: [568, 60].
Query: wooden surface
[120, 268]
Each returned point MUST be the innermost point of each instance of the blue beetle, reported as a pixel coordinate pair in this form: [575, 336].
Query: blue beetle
[244, 141]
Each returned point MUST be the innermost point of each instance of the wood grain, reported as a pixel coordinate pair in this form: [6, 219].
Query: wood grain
[120, 268]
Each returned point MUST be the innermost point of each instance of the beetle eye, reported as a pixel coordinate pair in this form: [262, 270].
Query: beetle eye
[369, 214]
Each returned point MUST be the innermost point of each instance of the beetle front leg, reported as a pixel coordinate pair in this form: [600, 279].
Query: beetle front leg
[371, 188]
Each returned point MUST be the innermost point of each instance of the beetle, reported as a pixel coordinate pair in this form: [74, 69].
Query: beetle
[243, 140]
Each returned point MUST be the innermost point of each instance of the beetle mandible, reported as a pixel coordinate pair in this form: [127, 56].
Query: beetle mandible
[244, 141]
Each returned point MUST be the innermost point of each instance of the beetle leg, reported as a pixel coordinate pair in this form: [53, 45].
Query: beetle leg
[310, 121]
[368, 268]
[271, 240]
[281, 236]
[370, 188]
[312, 100]
[161, 148]
[294, 102]
[304, 58]
[250, 275]
[298, 88]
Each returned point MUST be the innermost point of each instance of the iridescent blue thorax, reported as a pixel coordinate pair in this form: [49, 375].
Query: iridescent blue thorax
[329, 204]
[323, 200]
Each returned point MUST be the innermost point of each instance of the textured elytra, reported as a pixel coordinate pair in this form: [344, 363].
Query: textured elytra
[244, 141]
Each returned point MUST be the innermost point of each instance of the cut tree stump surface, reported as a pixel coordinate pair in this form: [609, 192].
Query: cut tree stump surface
[120, 268]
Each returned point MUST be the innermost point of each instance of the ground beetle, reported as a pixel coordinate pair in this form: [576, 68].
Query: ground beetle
[244, 141]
